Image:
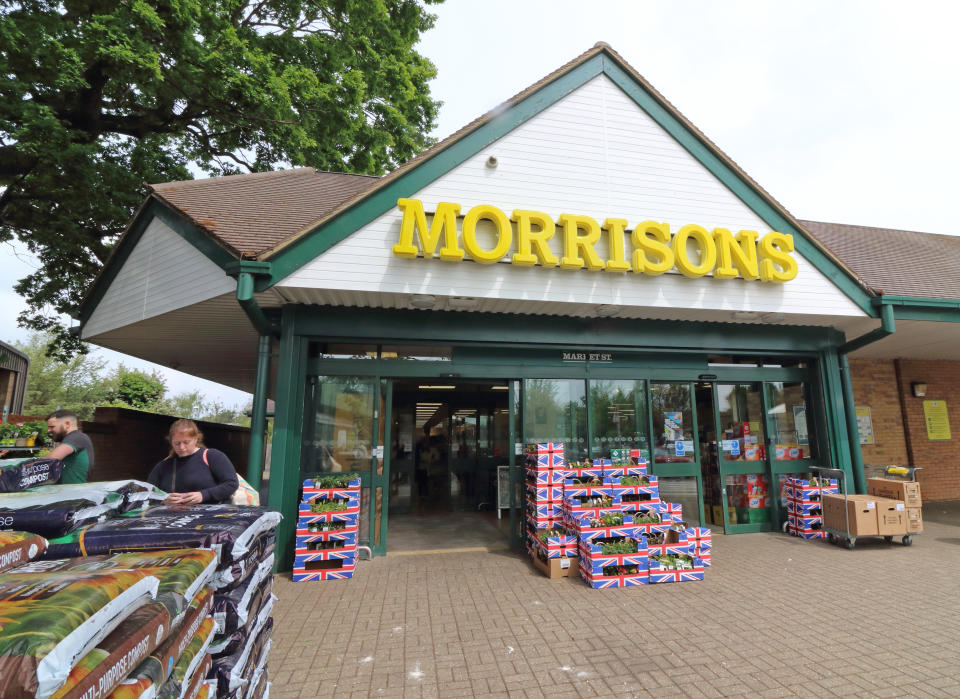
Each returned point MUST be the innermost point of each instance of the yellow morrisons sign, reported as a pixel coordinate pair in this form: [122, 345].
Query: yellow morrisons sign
[693, 250]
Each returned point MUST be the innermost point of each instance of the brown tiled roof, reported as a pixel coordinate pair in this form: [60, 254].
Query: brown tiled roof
[897, 263]
[256, 212]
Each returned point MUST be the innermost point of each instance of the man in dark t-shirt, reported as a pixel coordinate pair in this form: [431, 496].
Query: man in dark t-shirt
[74, 448]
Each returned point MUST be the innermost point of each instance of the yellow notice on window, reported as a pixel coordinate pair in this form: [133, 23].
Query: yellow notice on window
[938, 423]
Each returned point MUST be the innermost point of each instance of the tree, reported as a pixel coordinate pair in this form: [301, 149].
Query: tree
[80, 384]
[138, 389]
[98, 96]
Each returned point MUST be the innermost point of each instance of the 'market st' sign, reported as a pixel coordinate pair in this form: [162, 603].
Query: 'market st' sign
[524, 238]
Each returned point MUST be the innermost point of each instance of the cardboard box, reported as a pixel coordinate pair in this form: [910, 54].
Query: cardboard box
[891, 517]
[555, 567]
[914, 520]
[861, 510]
[907, 491]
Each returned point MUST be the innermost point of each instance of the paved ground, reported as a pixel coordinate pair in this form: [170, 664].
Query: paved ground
[776, 616]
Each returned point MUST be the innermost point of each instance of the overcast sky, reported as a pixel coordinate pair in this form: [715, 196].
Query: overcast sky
[843, 111]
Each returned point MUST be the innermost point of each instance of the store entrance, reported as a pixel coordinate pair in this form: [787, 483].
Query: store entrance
[447, 442]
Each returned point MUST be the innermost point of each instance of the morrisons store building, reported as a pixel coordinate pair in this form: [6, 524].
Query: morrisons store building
[580, 265]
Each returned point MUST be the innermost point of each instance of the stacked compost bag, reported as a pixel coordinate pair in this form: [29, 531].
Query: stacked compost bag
[104, 592]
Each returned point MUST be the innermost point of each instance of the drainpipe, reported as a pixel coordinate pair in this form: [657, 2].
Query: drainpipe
[887, 328]
[258, 420]
[246, 272]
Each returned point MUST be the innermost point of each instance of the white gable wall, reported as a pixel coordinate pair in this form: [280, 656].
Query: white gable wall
[163, 273]
[594, 153]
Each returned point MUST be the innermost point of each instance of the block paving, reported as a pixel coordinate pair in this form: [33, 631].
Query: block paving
[776, 616]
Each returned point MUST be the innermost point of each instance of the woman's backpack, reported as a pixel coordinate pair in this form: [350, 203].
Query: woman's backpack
[245, 494]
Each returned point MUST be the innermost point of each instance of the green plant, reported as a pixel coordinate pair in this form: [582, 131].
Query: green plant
[544, 534]
[620, 570]
[617, 546]
[336, 480]
[324, 505]
[612, 519]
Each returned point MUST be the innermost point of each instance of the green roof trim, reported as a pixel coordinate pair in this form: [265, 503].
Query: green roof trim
[177, 222]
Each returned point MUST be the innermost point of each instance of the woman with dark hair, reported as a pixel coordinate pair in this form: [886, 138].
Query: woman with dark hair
[191, 473]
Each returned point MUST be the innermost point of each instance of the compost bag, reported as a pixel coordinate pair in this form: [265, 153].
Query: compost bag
[185, 669]
[56, 510]
[231, 643]
[104, 667]
[235, 608]
[235, 671]
[20, 474]
[182, 573]
[19, 547]
[230, 575]
[155, 669]
[49, 621]
[228, 529]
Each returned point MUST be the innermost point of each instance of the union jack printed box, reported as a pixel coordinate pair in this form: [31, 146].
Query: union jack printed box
[573, 509]
[305, 575]
[674, 543]
[546, 476]
[554, 546]
[351, 509]
[804, 507]
[593, 560]
[599, 582]
[541, 510]
[674, 510]
[702, 539]
[545, 493]
[534, 522]
[350, 497]
[576, 490]
[546, 460]
[305, 537]
[349, 519]
[805, 522]
[345, 557]
[581, 526]
[618, 471]
[545, 448]
[353, 484]
[582, 472]
[658, 574]
[807, 534]
[650, 528]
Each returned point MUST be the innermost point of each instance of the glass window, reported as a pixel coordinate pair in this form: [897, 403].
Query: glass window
[748, 498]
[672, 422]
[788, 412]
[555, 410]
[421, 353]
[618, 416]
[329, 350]
[338, 424]
[743, 437]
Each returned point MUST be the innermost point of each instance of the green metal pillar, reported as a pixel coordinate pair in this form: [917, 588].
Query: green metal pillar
[258, 420]
[287, 427]
[859, 481]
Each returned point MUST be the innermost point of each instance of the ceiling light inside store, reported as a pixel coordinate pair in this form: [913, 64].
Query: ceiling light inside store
[499, 388]
[447, 388]
[423, 300]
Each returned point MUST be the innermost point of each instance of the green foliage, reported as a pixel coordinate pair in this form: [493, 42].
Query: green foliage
[79, 384]
[15, 430]
[84, 382]
[98, 97]
[328, 505]
[336, 480]
[614, 546]
[138, 389]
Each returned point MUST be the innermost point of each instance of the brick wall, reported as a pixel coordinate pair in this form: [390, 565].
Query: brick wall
[899, 427]
[128, 443]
